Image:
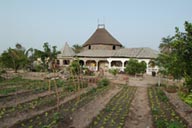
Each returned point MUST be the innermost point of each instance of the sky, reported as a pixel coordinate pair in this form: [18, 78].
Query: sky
[134, 23]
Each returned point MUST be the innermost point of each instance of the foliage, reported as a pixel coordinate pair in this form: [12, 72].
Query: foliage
[163, 112]
[114, 71]
[75, 67]
[133, 67]
[88, 72]
[77, 48]
[115, 113]
[14, 58]
[176, 55]
[187, 98]
[103, 82]
[47, 56]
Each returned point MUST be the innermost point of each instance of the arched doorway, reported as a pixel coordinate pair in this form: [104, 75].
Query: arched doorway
[81, 62]
[91, 64]
[103, 64]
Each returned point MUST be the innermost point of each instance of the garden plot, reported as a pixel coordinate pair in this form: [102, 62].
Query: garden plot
[116, 111]
[53, 118]
[164, 115]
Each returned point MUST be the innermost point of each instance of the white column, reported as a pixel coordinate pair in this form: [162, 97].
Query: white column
[123, 65]
[96, 66]
[109, 64]
[60, 62]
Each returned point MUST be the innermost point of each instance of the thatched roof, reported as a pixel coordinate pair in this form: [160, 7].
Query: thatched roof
[66, 51]
[102, 36]
[124, 53]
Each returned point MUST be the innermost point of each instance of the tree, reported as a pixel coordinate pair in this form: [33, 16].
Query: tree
[77, 48]
[142, 67]
[75, 67]
[47, 56]
[166, 45]
[178, 61]
[133, 67]
[14, 58]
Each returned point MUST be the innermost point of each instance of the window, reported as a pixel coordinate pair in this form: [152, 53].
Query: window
[66, 62]
[58, 62]
[113, 47]
[89, 47]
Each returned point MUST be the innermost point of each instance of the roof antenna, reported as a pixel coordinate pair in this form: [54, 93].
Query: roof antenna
[98, 21]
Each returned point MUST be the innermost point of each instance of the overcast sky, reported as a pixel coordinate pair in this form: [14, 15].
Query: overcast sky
[135, 23]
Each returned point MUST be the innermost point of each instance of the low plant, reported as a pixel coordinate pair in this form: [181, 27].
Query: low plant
[187, 98]
[103, 82]
[114, 71]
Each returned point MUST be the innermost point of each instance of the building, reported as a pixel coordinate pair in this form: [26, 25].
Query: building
[103, 51]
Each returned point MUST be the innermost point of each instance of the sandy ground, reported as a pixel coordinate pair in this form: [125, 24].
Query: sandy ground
[139, 114]
[84, 116]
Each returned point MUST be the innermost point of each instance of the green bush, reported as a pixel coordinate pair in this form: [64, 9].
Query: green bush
[114, 71]
[103, 82]
[187, 98]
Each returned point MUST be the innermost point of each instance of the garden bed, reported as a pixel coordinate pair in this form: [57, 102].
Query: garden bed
[53, 118]
[116, 111]
[163, 113]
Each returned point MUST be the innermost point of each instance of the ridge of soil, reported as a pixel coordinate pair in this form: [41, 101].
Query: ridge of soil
[184, 110]
[84, 116]
[20, 100]
[13, 120]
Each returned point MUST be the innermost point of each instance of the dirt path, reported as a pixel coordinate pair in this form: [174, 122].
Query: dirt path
[84, 116]
[139, 115]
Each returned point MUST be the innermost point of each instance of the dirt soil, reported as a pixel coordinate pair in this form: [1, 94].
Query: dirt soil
[182, 108]
[12, 120]
[84, 116]
[139, 114]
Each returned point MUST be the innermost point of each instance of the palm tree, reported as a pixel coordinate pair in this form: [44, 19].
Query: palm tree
[166, 45]
[77, 48]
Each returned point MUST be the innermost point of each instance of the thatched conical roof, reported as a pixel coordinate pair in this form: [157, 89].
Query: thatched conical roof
[67, 51]
[102, 36]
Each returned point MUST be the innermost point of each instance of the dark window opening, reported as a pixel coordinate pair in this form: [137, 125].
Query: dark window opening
[58, 62]
[113, 47]
[89, 47]
[66, 62]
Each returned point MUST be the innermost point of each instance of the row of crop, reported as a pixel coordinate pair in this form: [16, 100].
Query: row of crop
[163, 113]
[36, 104]
[36, 87]
[116, 111]
[54, 117]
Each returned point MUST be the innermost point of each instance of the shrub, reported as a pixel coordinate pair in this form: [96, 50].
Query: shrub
[113, 71]
[103, 82]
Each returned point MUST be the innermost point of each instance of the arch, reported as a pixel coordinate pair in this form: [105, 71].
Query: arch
[91, 64]
[125, 63]
[81, 62]
[103, 64]
[151, 64]
[116, 64]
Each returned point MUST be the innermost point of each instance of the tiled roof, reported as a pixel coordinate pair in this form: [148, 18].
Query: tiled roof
[66, 51]
[124, 52]
[96, 53]
[102, 36]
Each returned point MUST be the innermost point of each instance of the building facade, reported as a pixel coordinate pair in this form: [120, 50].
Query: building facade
[103, 51]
